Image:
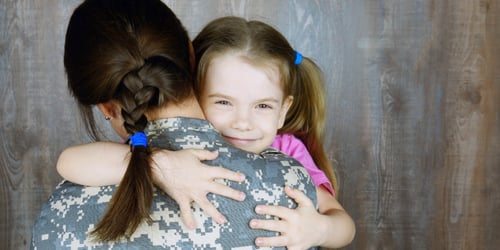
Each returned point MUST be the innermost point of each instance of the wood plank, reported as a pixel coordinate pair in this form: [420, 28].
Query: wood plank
[413, 121]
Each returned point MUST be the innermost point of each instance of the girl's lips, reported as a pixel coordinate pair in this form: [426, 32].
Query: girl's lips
[235, 140]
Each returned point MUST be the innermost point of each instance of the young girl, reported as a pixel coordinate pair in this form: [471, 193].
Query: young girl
[248, 78]
[248, 71]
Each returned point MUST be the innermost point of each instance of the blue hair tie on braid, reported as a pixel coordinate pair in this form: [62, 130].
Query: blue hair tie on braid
[298, 58]
[139, 139]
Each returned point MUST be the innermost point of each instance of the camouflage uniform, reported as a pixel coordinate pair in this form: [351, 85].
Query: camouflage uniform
[72, 210]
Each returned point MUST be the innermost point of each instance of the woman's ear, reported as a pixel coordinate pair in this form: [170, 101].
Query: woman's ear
[112, 111]
[109, 109]
[287, 103]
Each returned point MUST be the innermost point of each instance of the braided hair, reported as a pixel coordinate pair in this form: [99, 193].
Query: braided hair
[136, 53]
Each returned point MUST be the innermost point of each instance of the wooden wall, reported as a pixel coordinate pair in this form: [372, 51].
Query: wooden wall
[414, 110]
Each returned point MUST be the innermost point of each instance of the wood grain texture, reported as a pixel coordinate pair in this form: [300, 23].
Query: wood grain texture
[413, 123]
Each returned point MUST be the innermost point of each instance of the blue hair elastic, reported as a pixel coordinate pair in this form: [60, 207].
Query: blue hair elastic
[298, 58]
[139, 139]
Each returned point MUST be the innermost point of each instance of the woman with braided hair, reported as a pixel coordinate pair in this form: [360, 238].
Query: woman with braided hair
[133, 60]
[118, 63]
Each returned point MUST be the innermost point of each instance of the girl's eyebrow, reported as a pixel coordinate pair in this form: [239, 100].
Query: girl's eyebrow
[219, 96]
[269, 99]
[266, 99]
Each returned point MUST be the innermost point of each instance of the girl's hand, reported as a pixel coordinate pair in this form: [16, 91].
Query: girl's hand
[297, 228]
[184, 178]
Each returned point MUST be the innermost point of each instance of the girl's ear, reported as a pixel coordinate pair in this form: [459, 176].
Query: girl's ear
[287, 103]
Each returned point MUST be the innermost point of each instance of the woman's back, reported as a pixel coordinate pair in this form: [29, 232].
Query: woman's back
[73, 210]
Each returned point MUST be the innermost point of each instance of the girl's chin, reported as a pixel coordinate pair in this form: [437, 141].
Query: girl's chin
[244, 144]
[239, 142]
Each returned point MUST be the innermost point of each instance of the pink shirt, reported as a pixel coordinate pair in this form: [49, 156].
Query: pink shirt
[293, 146]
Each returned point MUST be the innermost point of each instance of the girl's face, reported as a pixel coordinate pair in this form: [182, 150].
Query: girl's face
[244, 102]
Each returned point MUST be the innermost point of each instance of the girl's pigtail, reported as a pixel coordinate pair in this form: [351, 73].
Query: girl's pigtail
[306, 117]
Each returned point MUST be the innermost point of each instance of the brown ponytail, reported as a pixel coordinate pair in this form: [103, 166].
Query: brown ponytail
[131, 203]
[134, 195]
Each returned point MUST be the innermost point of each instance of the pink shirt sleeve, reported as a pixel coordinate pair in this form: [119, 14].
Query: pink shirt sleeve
[293, 146]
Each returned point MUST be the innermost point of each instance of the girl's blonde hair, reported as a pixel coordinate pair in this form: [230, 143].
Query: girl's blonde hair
[265, 47]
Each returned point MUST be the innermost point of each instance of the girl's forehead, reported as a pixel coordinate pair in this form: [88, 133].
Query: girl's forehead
[234, 73]
[269, 66]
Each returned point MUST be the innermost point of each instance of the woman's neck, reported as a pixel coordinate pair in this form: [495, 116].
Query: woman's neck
[189, 108]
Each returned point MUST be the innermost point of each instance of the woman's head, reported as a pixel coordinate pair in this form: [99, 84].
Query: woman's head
[132, 56]
[135, 53]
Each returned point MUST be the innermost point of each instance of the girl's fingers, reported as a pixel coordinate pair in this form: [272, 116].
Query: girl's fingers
[277, 211]
[187, 215]
[223, 190]
[269, 225]
[277, 241]
[203, 155]
[211, 211]
[224, 173]
[298, 196]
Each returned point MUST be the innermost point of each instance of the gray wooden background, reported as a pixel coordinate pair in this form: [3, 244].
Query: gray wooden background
[414, 110]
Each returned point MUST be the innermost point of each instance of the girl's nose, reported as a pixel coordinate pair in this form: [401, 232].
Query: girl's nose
[242, 121]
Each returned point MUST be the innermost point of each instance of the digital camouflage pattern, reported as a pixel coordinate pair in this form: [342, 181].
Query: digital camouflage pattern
[72, 210]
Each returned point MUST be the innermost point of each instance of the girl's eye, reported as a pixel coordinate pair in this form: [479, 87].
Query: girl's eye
[264, 106]
[222, 102]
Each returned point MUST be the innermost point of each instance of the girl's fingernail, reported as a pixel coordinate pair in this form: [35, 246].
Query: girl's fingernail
[258, 209]
[259, 242]
[253, 223]
[222, 220]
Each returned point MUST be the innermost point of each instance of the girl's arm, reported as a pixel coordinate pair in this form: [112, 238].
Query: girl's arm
[178, 173]
[299, 227]
[94, 164]
[304, 227]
